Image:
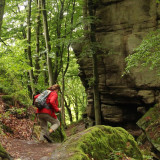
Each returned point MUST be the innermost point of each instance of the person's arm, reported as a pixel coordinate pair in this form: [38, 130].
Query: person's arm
[53, 101]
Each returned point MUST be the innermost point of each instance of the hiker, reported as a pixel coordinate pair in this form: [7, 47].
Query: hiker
[48, 114]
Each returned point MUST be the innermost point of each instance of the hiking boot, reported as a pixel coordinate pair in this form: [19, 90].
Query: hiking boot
[47, 138]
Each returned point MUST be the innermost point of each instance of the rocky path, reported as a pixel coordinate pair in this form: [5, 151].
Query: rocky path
[29, 150]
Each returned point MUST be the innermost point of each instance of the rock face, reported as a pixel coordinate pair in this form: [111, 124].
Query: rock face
[98, 142]
[150, 124]
[121, 26]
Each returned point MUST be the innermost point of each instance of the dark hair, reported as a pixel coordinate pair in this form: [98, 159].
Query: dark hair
[54, 87]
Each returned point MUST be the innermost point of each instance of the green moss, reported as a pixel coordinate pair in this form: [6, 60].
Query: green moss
[79, 155]
[151, 115]
[101, 141]
[2, 149]
[59, 135]
[3, 153]
[150, 123]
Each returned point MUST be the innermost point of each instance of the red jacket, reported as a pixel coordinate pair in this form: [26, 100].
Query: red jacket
[52, 99]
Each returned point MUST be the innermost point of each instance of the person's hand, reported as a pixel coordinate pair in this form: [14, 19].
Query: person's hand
[60, 109]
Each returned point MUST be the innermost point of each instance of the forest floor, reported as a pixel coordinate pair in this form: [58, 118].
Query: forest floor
[20, 146]
[31, 149]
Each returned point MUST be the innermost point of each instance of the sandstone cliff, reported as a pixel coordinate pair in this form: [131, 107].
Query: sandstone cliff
[121, 26]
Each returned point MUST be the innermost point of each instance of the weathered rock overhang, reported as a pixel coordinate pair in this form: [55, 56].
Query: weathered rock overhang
[121, 26]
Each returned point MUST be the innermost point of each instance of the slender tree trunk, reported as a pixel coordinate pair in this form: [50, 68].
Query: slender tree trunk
[2, 5]
[47, 40]
[45, 73]
[97, 106]
[69, 111]
[85, 15]
[62, 100]
[58, 47]
[29, 46]
[68, 57]
[76, 108]
[37, 66]
[63, 85]
[24, 34]
[59, 54]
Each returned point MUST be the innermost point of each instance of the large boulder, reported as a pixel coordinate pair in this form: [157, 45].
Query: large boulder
[98, 142]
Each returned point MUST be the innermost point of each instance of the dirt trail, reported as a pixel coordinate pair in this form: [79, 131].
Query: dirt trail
[30, 150]
[25, 149]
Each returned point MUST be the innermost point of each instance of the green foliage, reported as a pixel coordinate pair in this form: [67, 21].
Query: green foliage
[19, 111]
[147, 155]
[65, 27]
[8, 99]
[74, 93]
[147, 54]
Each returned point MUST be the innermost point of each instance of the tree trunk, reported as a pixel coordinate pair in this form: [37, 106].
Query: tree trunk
[47, 40]
[63, 85]
[76, 108]
[69, 111]
[45, 74]
[2, 4]
[29, 47]
[37, 66]
[24, 34]
[57, 66]
[97, 106]
[85, 15]
[68, 57]
[62, 100]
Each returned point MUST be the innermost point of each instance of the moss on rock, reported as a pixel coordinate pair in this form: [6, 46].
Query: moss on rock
[150, 123]
[98, 142]
[59, 135]
[3, 153]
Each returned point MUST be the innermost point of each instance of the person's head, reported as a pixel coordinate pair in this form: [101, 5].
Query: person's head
[55, 87]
